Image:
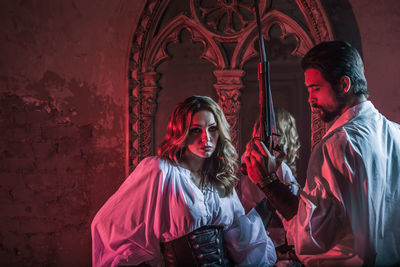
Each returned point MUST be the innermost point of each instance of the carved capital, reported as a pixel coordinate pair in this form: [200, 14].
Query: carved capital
[150, 79]
[229, 100]
[148, 100]
[229, 83]
[149, 93]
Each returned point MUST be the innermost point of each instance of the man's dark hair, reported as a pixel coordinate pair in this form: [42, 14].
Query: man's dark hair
[334, 59]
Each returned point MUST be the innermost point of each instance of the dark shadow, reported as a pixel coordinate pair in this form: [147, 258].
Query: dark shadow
[344, 24]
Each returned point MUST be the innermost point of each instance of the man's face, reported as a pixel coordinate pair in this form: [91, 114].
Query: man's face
[203, 134]
[321, 96]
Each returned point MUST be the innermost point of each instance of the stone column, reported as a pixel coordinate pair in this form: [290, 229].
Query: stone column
[148, 106]
[228, 86]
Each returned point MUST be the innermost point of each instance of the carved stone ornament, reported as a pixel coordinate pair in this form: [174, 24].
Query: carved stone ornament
[229, 83]
[213, 24]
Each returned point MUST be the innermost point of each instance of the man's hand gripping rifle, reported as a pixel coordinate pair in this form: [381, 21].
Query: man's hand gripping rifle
[264, 141]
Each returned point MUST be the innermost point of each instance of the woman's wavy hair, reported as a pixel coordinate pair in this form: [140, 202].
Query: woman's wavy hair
[288, 138]
[221, 167]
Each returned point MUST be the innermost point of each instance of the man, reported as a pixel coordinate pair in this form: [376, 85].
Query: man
[348, 213]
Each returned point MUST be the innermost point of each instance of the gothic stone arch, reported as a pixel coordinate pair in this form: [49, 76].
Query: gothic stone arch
[213, 25]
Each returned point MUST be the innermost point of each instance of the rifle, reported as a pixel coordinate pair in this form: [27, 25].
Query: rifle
[266, 120]
[278, 194]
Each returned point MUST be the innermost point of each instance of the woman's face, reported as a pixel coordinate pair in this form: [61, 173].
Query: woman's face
[203, 134]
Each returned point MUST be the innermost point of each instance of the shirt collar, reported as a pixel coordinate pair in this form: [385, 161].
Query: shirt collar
[349, 114]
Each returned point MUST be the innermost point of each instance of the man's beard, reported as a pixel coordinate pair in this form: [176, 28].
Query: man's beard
[328, 116]
[325, 115]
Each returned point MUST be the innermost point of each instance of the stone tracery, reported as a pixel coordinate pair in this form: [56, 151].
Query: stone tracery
[149, 50]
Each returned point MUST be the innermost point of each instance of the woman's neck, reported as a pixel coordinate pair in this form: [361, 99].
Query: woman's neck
[192, 162]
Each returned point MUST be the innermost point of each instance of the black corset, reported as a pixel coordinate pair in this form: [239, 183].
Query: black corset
[202, 247]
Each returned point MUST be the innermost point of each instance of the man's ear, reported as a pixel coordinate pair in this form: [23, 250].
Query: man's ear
[345, 83]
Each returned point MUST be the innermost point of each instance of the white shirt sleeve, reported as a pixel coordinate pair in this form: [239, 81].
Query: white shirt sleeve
[321, 221]
[158, 203]
[247, 241]
[124, 230]
[286, 176]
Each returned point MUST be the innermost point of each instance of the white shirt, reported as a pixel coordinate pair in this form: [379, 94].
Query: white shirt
[252, 195]
[349, 210]
[159, 202]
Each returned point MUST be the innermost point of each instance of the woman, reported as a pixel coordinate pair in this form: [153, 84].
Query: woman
[180, 208]
[288, 138]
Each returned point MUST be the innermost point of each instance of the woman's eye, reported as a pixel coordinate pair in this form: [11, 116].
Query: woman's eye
[213, 129]
[195, 130]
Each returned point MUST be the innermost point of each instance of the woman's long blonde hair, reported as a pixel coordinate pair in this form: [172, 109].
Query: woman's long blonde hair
[288, 138]
[220, 168]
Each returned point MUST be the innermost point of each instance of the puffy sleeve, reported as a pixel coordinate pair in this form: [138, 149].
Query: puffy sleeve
[321, 219]
[125, 231]
[246, 239]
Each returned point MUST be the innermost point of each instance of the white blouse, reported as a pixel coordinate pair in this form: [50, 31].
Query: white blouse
[159, 202]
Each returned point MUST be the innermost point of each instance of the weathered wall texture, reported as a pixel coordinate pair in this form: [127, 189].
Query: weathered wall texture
[379, 24]
[63, 88]
[63, 93]
[377, 34]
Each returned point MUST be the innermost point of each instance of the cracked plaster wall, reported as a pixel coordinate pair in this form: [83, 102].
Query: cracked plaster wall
[63, 90]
